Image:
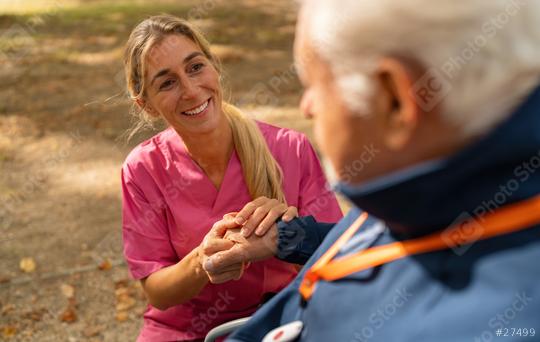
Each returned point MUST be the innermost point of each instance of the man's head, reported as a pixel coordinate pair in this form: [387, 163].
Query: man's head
[392, 83]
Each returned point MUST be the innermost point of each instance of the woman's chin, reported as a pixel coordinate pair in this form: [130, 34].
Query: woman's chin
[202, 127]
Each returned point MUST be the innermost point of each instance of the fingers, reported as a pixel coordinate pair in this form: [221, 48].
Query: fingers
[211, 246]
[248, 209]
[223, 260]
[214, 240]
[270, 219]
[230, 216]
[235, 236]
[270, 211]
[226, 276]
[228, 269]
[224, 266]
[220, 227]
[290, 214]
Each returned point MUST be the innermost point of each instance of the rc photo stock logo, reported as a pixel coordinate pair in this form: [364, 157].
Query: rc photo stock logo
[431, 89]
[463, 233]
[16, 43]
[260, 95]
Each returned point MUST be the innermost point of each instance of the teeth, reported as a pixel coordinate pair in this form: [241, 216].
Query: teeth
[198, 109]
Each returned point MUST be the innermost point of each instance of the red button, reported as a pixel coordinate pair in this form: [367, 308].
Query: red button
[278, 335]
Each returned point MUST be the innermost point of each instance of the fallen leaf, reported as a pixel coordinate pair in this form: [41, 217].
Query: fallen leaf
[7, 309]
[72, 302]
[69, 315]
[9, 331]
[140, 311]
[121, 283]
[28, 333]
[139, 292]
[67, 290]
[4, 280]
[121, 316]
[35, 315]
[122, 291]
[126, 304]
[105, 265]
[27, 265]
[92, 331]
[137, 285]
[123, 298]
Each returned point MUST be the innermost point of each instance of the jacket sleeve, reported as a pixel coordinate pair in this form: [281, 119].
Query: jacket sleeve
[299, 238]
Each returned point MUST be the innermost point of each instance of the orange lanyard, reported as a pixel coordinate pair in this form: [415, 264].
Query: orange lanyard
[506, 220]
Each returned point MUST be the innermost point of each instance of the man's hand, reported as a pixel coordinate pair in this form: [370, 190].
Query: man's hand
[244, 250]
[214, 242]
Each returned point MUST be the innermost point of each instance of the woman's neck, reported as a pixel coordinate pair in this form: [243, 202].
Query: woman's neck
[212, 151]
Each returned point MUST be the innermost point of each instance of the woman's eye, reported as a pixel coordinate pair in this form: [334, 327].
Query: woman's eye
[197, 67]
[166, 84]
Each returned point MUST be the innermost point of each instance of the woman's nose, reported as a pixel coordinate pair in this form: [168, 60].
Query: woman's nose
[189, 89]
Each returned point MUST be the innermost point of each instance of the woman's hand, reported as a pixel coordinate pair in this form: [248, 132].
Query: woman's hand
[215, 242]
[261, 214]
[245, 250]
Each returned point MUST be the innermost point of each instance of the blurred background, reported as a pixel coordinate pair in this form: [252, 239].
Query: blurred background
[63, 113]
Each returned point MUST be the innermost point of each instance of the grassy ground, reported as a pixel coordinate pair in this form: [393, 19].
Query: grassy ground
[63, 111]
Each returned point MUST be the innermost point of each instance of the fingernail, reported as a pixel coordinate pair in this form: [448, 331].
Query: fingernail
[239, 220]
[244, 232]
[259, 231]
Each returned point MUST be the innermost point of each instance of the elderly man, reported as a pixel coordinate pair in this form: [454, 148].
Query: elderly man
[429, 112]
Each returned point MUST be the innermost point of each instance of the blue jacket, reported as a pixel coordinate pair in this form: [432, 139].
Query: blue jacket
[465, 294]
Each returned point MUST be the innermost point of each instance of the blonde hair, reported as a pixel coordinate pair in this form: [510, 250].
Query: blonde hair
[262, 173]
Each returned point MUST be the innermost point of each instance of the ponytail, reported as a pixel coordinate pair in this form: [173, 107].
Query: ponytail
[261, 171]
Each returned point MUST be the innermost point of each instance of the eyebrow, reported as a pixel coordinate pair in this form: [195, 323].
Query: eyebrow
[186, 60]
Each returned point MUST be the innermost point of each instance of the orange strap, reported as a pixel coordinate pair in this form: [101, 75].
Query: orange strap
[506, 220]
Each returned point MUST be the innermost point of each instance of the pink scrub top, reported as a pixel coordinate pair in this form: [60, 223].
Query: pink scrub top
[169, 205]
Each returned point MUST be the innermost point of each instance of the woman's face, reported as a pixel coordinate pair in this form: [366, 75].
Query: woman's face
[183, 86]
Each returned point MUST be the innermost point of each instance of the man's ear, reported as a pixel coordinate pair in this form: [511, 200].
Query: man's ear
[146, 107]
[401, 111]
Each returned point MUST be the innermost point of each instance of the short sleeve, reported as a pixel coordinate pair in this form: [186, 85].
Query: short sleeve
[147, 244]
[316, 197]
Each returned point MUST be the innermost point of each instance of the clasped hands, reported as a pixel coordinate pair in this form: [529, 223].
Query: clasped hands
[243, 237]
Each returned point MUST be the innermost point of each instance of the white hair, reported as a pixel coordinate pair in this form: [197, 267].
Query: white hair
[486, 51]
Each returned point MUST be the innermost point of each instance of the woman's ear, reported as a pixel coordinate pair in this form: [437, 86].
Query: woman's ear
[146, 107]
[401, 111]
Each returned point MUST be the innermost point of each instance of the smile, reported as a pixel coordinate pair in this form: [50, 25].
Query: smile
[197, 110]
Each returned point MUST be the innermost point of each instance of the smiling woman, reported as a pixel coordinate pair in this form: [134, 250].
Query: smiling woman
[185, 90]
[212, 160]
